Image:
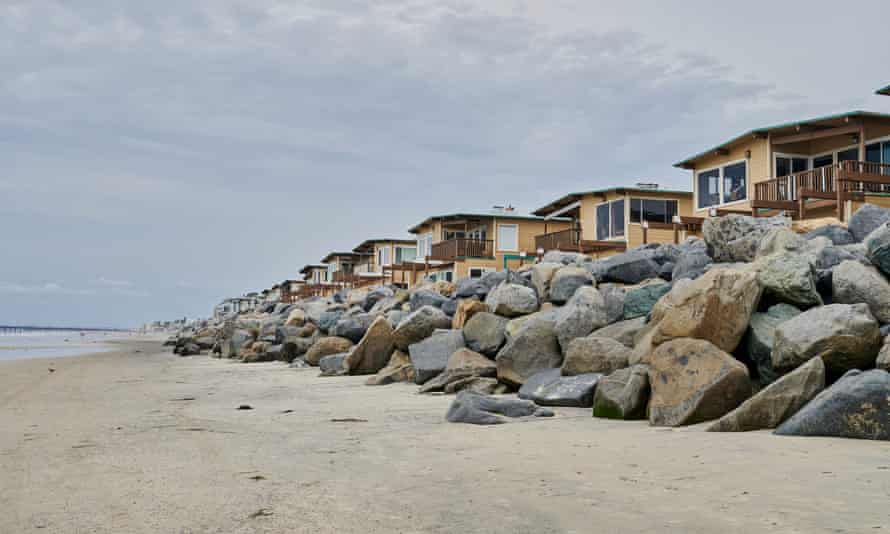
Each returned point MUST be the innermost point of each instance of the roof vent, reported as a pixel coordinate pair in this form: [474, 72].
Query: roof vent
[645, 185]
[503, 209]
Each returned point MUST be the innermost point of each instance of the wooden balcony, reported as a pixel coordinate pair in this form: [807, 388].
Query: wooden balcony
[453, 249]
[827, 186]
[564, 240]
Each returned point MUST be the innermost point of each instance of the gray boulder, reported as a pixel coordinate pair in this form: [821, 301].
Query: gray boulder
[866, 219]
[332, 365]
[352, 328]
[376, 295]
[476, 409]
[486, 333]
[470, 287]
[625, 332]
[735, 238]
[553, 389]
[630, 267]
[639, 300]
[836, 233]
[883, 359]
[780, 240]
[845, 337]
[566, 281]
[877, 248]
[512, 300]
[788, 277]
[585, 312]
[420, 325]
[623, 394]
[691, 264]
[234, 346]
[542, 274]
[594, 355]
[613, 296]
[856, 406]
[853, 282]
[532, 348]
[777, 402]
[426, 297]
[430, 356]
[760, 335]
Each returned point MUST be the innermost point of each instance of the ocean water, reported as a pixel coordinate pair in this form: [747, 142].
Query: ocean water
[53, 343]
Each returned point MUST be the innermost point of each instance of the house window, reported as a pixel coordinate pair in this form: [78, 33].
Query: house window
[404, 254]
[425, 245]
[610, 220]
[479, 272]
[786, 165]
[383, 256]
[652, 210]
[722, 185]
[508, 237]
[851, 154]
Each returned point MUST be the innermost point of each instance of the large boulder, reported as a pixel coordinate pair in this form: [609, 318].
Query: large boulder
[623, 394]
[328, 319]
[866, 219]
[735, 238]
[325, 347]
[788, 277]
[776, 402]
[352, 327]
[398, 369]
[613, 296]
[375, 296]
[533, 348]
[430, 356]
[426, 297]
[877, 248]
[486, 333]
[853, 282]
[625, 332]
[512, 300]
[845, 336]
[692, 264]
[780, 240]
[630, 267]
[883, 359]
[640, 299]
[466, 309]
[373, 351]
[856, 406]
[550, 388]
[716, 307]
[476, 409]
[333, 365]
[837, 234]
[759, 339]
[419, 325]
[694, 381]
[296, 317]
[463, 365]
[594, 355]
[542, 274]
[234, 346]
[466, 288]
[566, 281]
[584, 313]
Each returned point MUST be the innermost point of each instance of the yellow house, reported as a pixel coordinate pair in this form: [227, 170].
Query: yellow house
[809, 168]
[461, 245]
[608, 221]
[379, 257]
[317, 282]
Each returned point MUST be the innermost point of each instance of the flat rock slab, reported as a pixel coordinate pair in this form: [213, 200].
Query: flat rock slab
[550, 388]
[476, 409]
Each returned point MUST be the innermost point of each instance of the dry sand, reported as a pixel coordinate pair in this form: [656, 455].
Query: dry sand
[109, 443]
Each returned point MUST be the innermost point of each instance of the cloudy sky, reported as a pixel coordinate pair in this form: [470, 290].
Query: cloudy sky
[160, 155]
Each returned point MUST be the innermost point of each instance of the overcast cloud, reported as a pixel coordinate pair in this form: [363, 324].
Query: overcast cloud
[161, 155]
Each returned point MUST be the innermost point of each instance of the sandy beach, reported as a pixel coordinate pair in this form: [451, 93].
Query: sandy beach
[143, 441]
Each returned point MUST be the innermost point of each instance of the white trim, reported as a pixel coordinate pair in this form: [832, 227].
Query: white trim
[498, 227]
[720, 191]
[566, 209]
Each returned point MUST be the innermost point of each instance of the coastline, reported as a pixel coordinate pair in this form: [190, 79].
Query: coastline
[140, 440]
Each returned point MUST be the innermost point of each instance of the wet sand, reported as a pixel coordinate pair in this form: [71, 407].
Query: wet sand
[143, 441]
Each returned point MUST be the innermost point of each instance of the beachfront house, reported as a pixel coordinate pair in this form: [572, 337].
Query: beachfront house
[608, 221]
[461, 245]
[883, 91]
[379, 256]
[316, 281]
[819, 167]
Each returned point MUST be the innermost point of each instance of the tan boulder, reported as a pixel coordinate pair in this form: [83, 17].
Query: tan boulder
[468, 359]
[296, 318]
[325, 347]
[399, 369]
[694, 381]
[466, 309]
[373, 352]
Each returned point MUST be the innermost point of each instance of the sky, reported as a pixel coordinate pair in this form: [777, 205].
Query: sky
[159, 156]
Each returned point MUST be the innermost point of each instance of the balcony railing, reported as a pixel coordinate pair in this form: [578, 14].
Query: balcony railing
[462, 248]
[832, 183]
[565, 240]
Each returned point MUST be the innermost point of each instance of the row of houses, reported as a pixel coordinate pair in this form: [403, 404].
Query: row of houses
[820, 167]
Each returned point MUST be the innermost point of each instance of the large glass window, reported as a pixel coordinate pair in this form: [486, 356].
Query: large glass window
[851, 154]
[508, 237]
[786, 165]
[652, 210]
[821, 161]
[424, 245]
[404, 254]
[709, 188]
[735, 183]
[602, 222]
[617, 218]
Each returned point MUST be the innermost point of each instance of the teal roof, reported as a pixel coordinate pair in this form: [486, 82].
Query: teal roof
[572, 197]
[767, 129]
[883, 91]
[516, 216]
